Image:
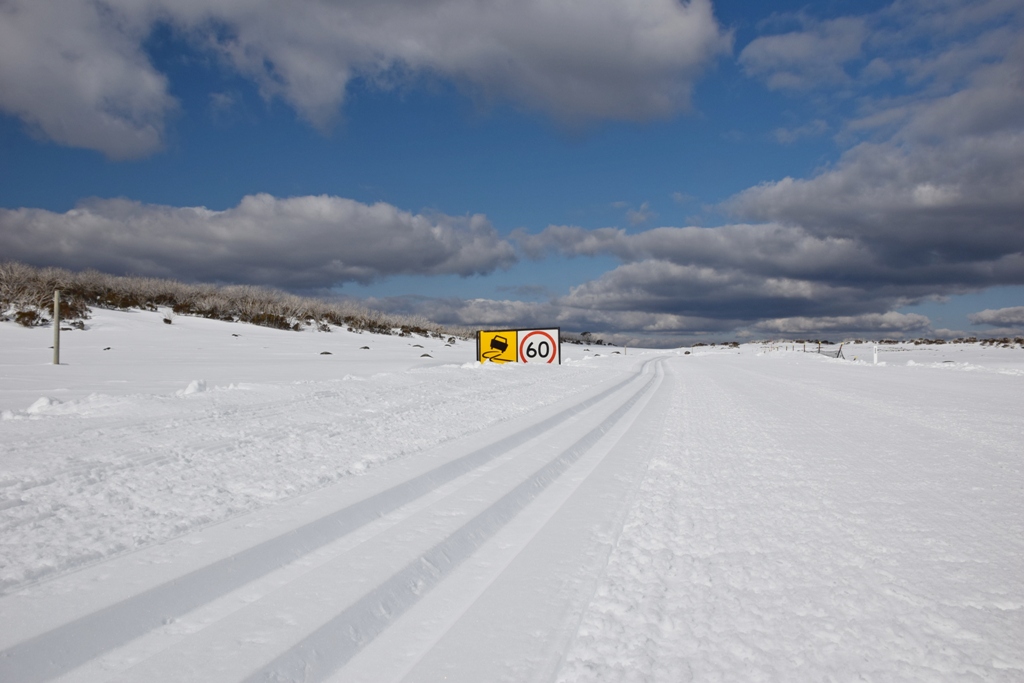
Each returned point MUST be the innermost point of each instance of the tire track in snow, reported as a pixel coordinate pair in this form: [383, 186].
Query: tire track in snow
[328, 648]
[56, 652]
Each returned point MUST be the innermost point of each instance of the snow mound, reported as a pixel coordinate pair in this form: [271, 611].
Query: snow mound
[41, 405]
[196, 386]
[948, 365]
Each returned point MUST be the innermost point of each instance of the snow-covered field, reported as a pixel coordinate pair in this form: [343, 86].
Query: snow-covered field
[206, 501]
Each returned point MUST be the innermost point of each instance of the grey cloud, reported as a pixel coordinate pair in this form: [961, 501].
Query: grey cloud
[955, 201]
[641, 215]
[568, 239]
[527, 291]
[930, 201]
[655, 286]
[472, 312]
[870, 323]
[950, 39]
[937, 193]
[808, 58]
[962, 34]
[644, 328]
[622, 327]
[746, 271]
[479, 313]
[933, 205]
[75, 70]
[999, 316]
[75, 73]
[765, 248]
[299, 243]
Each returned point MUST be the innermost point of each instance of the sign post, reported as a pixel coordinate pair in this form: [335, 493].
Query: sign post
[56, 327]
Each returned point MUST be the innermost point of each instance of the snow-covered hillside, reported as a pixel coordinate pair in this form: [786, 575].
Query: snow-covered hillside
[208, 501]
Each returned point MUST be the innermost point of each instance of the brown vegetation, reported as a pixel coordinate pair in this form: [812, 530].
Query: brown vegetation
[26, 295]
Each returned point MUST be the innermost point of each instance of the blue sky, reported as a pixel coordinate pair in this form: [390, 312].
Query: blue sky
[656, 171]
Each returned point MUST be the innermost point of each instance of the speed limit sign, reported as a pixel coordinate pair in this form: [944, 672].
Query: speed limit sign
[539, 346]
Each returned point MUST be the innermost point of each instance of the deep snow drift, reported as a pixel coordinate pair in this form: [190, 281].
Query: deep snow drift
[213, 501]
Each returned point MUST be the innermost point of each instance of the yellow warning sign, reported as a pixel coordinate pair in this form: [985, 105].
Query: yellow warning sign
[497, 346]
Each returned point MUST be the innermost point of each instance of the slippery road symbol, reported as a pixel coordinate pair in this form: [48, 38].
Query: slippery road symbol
[498, 346]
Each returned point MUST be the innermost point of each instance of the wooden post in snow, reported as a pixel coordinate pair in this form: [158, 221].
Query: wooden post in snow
[56, 327]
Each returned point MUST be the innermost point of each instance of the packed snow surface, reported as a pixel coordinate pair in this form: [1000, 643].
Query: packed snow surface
[206, 501]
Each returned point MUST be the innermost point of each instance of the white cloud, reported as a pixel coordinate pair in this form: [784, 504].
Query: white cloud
[999, 316]
[299, 242]
[75, 70]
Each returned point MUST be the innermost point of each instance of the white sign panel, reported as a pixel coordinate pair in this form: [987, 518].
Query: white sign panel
[539, 346]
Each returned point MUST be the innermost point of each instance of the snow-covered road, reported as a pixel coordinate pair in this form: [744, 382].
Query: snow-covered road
[375, 515]
[819, 520]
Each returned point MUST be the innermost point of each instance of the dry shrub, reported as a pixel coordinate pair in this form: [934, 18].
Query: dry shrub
[29, 292]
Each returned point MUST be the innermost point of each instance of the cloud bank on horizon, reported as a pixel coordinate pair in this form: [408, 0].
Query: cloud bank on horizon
[923, 199]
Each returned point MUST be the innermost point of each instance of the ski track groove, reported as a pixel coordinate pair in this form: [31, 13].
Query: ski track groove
[61, 649]
[70, 486]
[327, 649]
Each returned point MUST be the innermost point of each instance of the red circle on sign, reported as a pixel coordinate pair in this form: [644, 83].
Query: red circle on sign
[554, 346]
